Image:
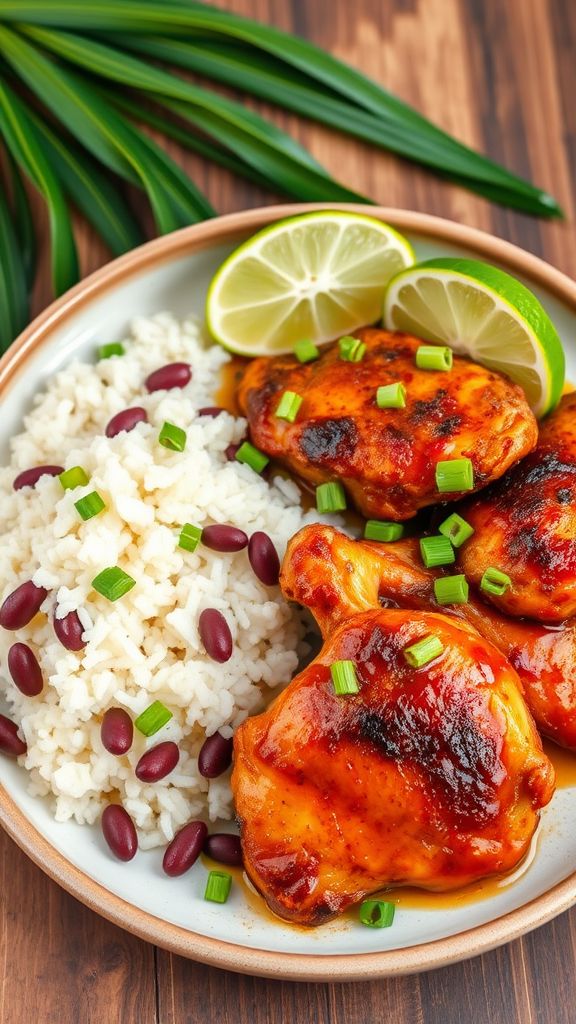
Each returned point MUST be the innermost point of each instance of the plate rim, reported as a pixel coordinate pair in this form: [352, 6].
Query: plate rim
[94, 895]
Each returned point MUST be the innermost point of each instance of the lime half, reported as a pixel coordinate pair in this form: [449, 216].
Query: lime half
[317, 276]
[484, 313]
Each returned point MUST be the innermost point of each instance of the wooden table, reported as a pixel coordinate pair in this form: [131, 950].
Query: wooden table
[501, 76]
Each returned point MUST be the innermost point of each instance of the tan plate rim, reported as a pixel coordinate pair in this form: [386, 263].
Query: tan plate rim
[312, 967]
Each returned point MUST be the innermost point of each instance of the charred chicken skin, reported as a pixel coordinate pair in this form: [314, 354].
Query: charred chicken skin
[334, 575]
[526, 526]
[431, 776]
[386, 458]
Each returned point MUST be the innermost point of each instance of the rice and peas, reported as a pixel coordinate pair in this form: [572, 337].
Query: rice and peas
[144, 647]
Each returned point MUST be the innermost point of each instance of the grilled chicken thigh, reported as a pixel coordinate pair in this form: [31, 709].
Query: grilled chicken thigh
[431, 776]
[386, 458]
[525, 525]
[336, 576]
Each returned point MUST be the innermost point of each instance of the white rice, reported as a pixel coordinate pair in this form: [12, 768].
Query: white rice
[145, 646]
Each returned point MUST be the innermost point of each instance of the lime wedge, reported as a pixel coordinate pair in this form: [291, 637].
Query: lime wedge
[317, 276]
[481, 312]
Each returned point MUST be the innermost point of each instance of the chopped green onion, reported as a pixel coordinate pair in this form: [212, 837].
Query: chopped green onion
[288, 406]
[344, 677]
[425, 650]
[377, 913]
[434, 357]
[218, 887]
[454, 475]
[330, 497]
[456, 529]
[172, 437]
[391, 396]
[90, 506]
[494, 581]
[376, 529]
[351, 349]
[436, 551]
[189, 537]
[113, 349]
[451, 590]
[252, 457]
[113, 583]
[306, 351]
[153, 718]
[74, 477]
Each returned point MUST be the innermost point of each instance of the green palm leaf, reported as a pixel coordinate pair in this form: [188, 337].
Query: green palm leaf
[265, 148]
[13, 289]
[89, 189]
[169, 18]
[24, 222]
[114, 141]
[19, 137]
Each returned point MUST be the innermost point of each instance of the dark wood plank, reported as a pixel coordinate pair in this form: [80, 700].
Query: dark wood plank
[62, 964]
[501, 77]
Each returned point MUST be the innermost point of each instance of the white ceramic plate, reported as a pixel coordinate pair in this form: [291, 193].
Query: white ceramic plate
[173, 273]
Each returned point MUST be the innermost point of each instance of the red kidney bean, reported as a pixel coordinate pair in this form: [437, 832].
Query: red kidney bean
[224, 538]
[211, 410]
[30, 477]
[21, 605]
[25, 670]
[215, 756]
[224, 848]
[185, 848]
[174, 375]
[264, 558]
[10, 742]
[119, 831]
[116, 731]
[158, 762]
[69, 632]
[215, 635]
[230, 451]
[126, 420]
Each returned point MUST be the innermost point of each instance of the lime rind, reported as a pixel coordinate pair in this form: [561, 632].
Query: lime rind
[258, 302]
[503, 317]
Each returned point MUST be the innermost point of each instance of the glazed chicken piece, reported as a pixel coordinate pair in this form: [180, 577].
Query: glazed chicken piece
[386, 458]
[430, 776]
[525, 525]
[335, 575]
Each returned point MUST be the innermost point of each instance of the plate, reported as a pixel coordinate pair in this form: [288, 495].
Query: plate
[173, 273]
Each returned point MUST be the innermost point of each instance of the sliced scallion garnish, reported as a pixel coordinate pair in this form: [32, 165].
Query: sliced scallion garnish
[494, 581]
[288, 406]
[376, 529]
[306, 351]
[454, 475]
[189, 537]
[391, 396]
[451, 590]
[434, 357]
[252, 457]
[456, 529]
[351, 349]
[89, 506]
[113, 349]
[172, 437]
[74, 477]
[330, 497]
[436, 551]
[113, 583]
[423, 651]
[377, 913]
[218, 887]
[153, 718]
[344, 678]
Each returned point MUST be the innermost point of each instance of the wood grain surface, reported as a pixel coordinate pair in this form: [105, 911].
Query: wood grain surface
[501, 75]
